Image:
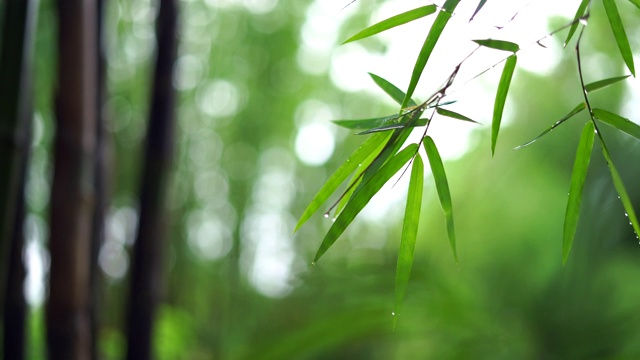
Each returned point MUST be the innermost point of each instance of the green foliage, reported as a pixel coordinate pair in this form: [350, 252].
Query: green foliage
[501, 99]
[620, 35]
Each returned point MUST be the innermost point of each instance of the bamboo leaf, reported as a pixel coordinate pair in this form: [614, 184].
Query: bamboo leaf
[576, 20]
[442, 187]
[400, 125]
[391, 90]
[501, 98]
[454, 115]
[478, 8]
[578, 177]
[409, 231]
[394, 21]
[617, 121]
[368, 123]
[620, 188]
[362, 197]
[499, 45]
[573, 112]
[636, 3]
[341, 174]
[618, 32]
[429, 44]
[604, 83]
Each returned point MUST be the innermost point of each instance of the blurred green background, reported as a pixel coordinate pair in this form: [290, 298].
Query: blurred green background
[254, 144]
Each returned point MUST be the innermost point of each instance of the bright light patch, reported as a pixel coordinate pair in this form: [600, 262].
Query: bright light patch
[314, 143]
[219, 98]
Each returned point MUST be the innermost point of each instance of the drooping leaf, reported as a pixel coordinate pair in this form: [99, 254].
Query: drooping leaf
[619, 122]
[341, 174]
[498, 45]
[578, 177]
[579, 14]
[400, 125]
[429, 44]
[573, 112]
[604, 83]
[362, 197]
[478, 8]
[620, 188]
[368, 123]
[501, 98]
[409, 231]
[454, 115]
[391, 90]
[618, 32]
[442, 187]
[394, 21]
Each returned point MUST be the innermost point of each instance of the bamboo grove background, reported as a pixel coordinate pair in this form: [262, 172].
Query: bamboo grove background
[149, 179]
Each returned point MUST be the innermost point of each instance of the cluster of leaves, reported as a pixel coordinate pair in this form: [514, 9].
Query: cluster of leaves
[382, 155]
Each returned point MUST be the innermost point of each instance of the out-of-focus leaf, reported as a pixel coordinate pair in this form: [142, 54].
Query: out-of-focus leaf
[617, 121]
[578, 177]
[391, 90]
[620, 188]
[368, 123]
[604, 83]
[430, 42]
[498, 45]
[442, 187]
[361, 197]
[341, 174]
[454, 115]
[400, 125]
[636, 3]
[478, 8]
[409, 232]
[394, 21]
[501, 98]
[573, 112]
[580, 13]
[618, 32]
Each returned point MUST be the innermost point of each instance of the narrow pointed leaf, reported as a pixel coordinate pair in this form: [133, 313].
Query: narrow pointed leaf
[618, 32]
[409, 231]
[368, 123]
[620, 188]
[501, 98]
[478, 8]
[442, 187]
[454, 115]
[604, 83]
[573, 112]
[617, 121]
[429, 44]
[417, 123]
[362, 197]
[579, 14]
[341, 174]
[578, 177]
[636, 3]
[394, 21]
[498, 45]
[391, 90]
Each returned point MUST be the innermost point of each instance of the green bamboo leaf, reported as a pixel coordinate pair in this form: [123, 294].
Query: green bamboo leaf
[499, 45]
[341, 174]
[361, 198]
[620, 188]
[578, 177]
[618, 32]
[573, 112]
[576, 20]
[400, 125]
[501, 98]
[454, 115]
[604, 83]
[617, 121]
[478, 8]
[442, 187]
[394, 21]
[368, 123]
[409, 232]
[429, 44]
[391, 90]
[636, 3]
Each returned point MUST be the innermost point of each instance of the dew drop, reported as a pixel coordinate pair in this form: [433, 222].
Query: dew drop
[393, 313]
[326, 215]
[313, 263]
[626, 215]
